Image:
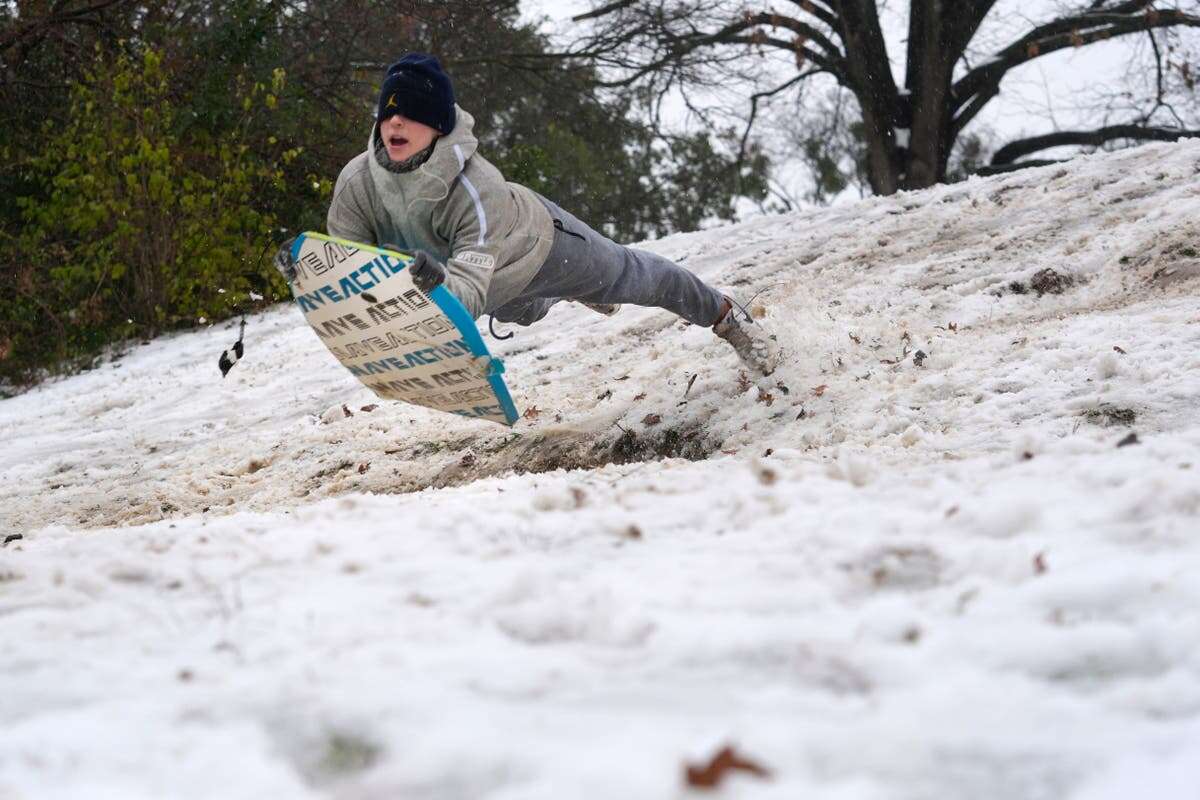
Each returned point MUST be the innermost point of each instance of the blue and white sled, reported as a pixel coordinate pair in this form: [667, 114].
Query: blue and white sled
[401, 343]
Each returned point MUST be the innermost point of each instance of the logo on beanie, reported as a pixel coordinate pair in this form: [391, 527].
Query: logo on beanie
[391, 103]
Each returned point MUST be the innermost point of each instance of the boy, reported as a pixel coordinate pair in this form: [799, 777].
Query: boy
[500, 248]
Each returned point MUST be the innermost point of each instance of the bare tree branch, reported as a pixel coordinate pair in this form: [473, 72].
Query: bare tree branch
[1023, 147]
[1075, 31]
[603, 11]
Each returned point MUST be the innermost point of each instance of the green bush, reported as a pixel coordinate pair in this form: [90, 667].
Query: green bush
[130, 228]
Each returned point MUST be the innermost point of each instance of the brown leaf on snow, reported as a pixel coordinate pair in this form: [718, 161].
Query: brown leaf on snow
[819, 390]
[363, 467]
[743, 383]
[1128, 440]
[346, 410]
[1119, 350]
[854, 338]
[641, 396]
[766, 398]
[710, 775]
[607, 393]
[533, 412]
[370, 408]
[651, 419]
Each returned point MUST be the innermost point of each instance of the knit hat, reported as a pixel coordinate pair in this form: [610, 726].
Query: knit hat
[417, 88]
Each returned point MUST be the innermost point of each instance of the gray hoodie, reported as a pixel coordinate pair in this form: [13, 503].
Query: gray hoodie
[492, 235]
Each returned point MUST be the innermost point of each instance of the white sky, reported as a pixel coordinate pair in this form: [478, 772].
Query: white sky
[1051, 93]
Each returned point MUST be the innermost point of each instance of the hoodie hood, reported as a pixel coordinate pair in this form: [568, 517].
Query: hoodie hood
[431, 181]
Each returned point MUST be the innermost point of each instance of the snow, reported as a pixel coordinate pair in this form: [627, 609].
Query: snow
[891, 580]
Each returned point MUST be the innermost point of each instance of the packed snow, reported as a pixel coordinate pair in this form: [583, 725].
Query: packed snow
[949, 550]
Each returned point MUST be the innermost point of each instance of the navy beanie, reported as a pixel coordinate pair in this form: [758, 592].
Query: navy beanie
[417, 88]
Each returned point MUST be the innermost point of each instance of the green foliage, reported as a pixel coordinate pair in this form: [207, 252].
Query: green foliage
[131, 228]
[150, 154]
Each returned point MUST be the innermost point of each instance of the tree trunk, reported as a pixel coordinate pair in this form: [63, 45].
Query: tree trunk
[931, 55]
[869, 74]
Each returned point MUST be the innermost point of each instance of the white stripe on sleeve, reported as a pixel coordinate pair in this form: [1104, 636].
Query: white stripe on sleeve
[478, 208]
[462, 163]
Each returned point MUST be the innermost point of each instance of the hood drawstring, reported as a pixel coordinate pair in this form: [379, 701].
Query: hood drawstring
[492, 330]
[438, 178]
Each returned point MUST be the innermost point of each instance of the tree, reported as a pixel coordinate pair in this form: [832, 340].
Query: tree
[542, 123]
[908, 128]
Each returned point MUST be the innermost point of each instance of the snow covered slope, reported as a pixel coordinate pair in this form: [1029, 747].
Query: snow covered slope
[950, 550]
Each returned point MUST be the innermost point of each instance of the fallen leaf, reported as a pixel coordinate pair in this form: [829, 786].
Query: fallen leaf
[919, 358]
[710, 775]
[641, 396]
[346, 410]
[370, 408]
[605, 395]
[854, 338]
[766, 398]
[651, 419]
[533, 412]
[1119, 350]
[690, 382]
[819, 390]
[743, 383]
[623, 378]
[363, 467]
[467, 460]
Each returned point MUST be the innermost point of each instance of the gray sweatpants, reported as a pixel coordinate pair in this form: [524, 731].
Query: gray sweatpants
[585, 265]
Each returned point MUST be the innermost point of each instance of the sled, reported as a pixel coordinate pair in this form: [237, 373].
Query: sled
[401, 343]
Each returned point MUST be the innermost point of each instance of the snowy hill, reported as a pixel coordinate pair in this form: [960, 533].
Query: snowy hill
[951, 552]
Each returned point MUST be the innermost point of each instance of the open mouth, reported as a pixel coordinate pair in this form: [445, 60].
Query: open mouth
[397, 141]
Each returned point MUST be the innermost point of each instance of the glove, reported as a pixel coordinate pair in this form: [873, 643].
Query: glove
[284, 261]
[427, 272]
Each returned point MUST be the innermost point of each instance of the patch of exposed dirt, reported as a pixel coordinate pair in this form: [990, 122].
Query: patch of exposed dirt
[572, 451]
[1107, 415]
[1049, 281]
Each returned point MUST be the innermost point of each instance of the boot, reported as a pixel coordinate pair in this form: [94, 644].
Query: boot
[749, 339]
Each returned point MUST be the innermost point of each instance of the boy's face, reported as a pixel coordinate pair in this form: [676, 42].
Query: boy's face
[403, 137]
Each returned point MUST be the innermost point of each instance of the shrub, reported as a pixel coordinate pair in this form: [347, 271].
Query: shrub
[131, 228]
